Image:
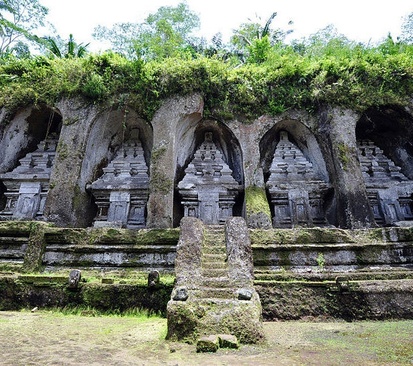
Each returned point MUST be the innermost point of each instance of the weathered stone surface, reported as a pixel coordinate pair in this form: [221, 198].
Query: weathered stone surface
[228, 341]
[153, 279]
[90, 136]
[239, 252]
[213, 305]
[389, 191]
[180, 294]
[296, 191]
[75, 276]
[188, 253]
[338, 143]
[121, 193]
[27, 185]
[207, 344]
[208, 189]
[175, 121]
[244, 294]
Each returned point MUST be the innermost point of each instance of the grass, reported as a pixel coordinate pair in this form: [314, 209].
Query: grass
[136, 313]
[63, 337]
[383, 341]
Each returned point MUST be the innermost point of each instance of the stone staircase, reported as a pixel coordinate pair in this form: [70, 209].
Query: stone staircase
[214, 292]
[14, 240]
[215, 283]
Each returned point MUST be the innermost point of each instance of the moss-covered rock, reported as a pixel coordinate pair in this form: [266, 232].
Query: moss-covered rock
[257, 208]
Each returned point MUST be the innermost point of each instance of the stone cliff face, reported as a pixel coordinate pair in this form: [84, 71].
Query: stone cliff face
[345, 189]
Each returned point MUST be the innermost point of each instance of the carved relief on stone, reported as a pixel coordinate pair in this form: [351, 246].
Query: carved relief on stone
[297, 193]
[389, 191]
[208, 188]
[121, 193]
[28, 184]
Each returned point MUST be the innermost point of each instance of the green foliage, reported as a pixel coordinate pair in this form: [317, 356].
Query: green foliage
[68, 50]
[166, 33]
[308, 75]
[20, 20]
[321, 261]
[253, 41]
[137, 313]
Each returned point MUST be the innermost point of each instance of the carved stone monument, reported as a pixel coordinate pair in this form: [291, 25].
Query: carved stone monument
[390, 192]
[28, 184]
[214, 290]
[297, 193]
[208, 189]
[121, 193]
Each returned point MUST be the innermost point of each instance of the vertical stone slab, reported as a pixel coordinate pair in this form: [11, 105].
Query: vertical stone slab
[257, 208]
[28, 203]
[239, 252]
[64, 205]
[338, 141]
[174, 116]
[188, 253]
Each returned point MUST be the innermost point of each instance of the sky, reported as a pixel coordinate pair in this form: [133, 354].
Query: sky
[360, 20]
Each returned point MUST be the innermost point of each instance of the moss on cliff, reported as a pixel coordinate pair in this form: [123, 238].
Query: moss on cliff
[256, 201]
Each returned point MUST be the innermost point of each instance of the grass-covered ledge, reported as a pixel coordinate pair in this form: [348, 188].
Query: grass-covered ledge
[340, 74]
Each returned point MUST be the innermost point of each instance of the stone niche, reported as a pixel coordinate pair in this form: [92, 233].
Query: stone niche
[121, 193]
[385, 149]
[28, 184]
[297, 193]
[208, 189]
[389, 191]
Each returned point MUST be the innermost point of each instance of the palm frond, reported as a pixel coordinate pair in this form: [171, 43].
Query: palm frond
[266, 29]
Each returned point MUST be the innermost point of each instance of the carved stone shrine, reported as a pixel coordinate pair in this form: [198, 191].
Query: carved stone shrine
[28, 184]
[297, 193]
[389, 191]
[208, 189]
[121, 193]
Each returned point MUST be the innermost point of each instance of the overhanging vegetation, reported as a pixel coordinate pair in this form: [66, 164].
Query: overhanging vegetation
[339, 74]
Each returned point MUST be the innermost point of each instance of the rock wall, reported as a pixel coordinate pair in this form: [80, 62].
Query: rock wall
[90, 135]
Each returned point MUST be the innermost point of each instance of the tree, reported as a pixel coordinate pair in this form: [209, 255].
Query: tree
[165, 33]
[255, 40]
[406, 35]
[71, 49]
[18, 22]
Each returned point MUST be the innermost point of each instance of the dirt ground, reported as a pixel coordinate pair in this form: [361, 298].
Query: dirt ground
[51, 338]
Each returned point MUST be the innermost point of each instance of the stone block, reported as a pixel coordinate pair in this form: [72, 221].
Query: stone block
[180, 294]
[208, 344]
[228, 341]
[153, 279]
[74, 278]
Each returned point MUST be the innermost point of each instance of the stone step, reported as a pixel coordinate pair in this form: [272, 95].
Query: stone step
[216, 257]
[214, 272]
[18, 240]
[360, 275]
[217, 282]
[214, 242]
[213, 292]
[214, 265]
[219, 303]
[214, 249]
[214, 233]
